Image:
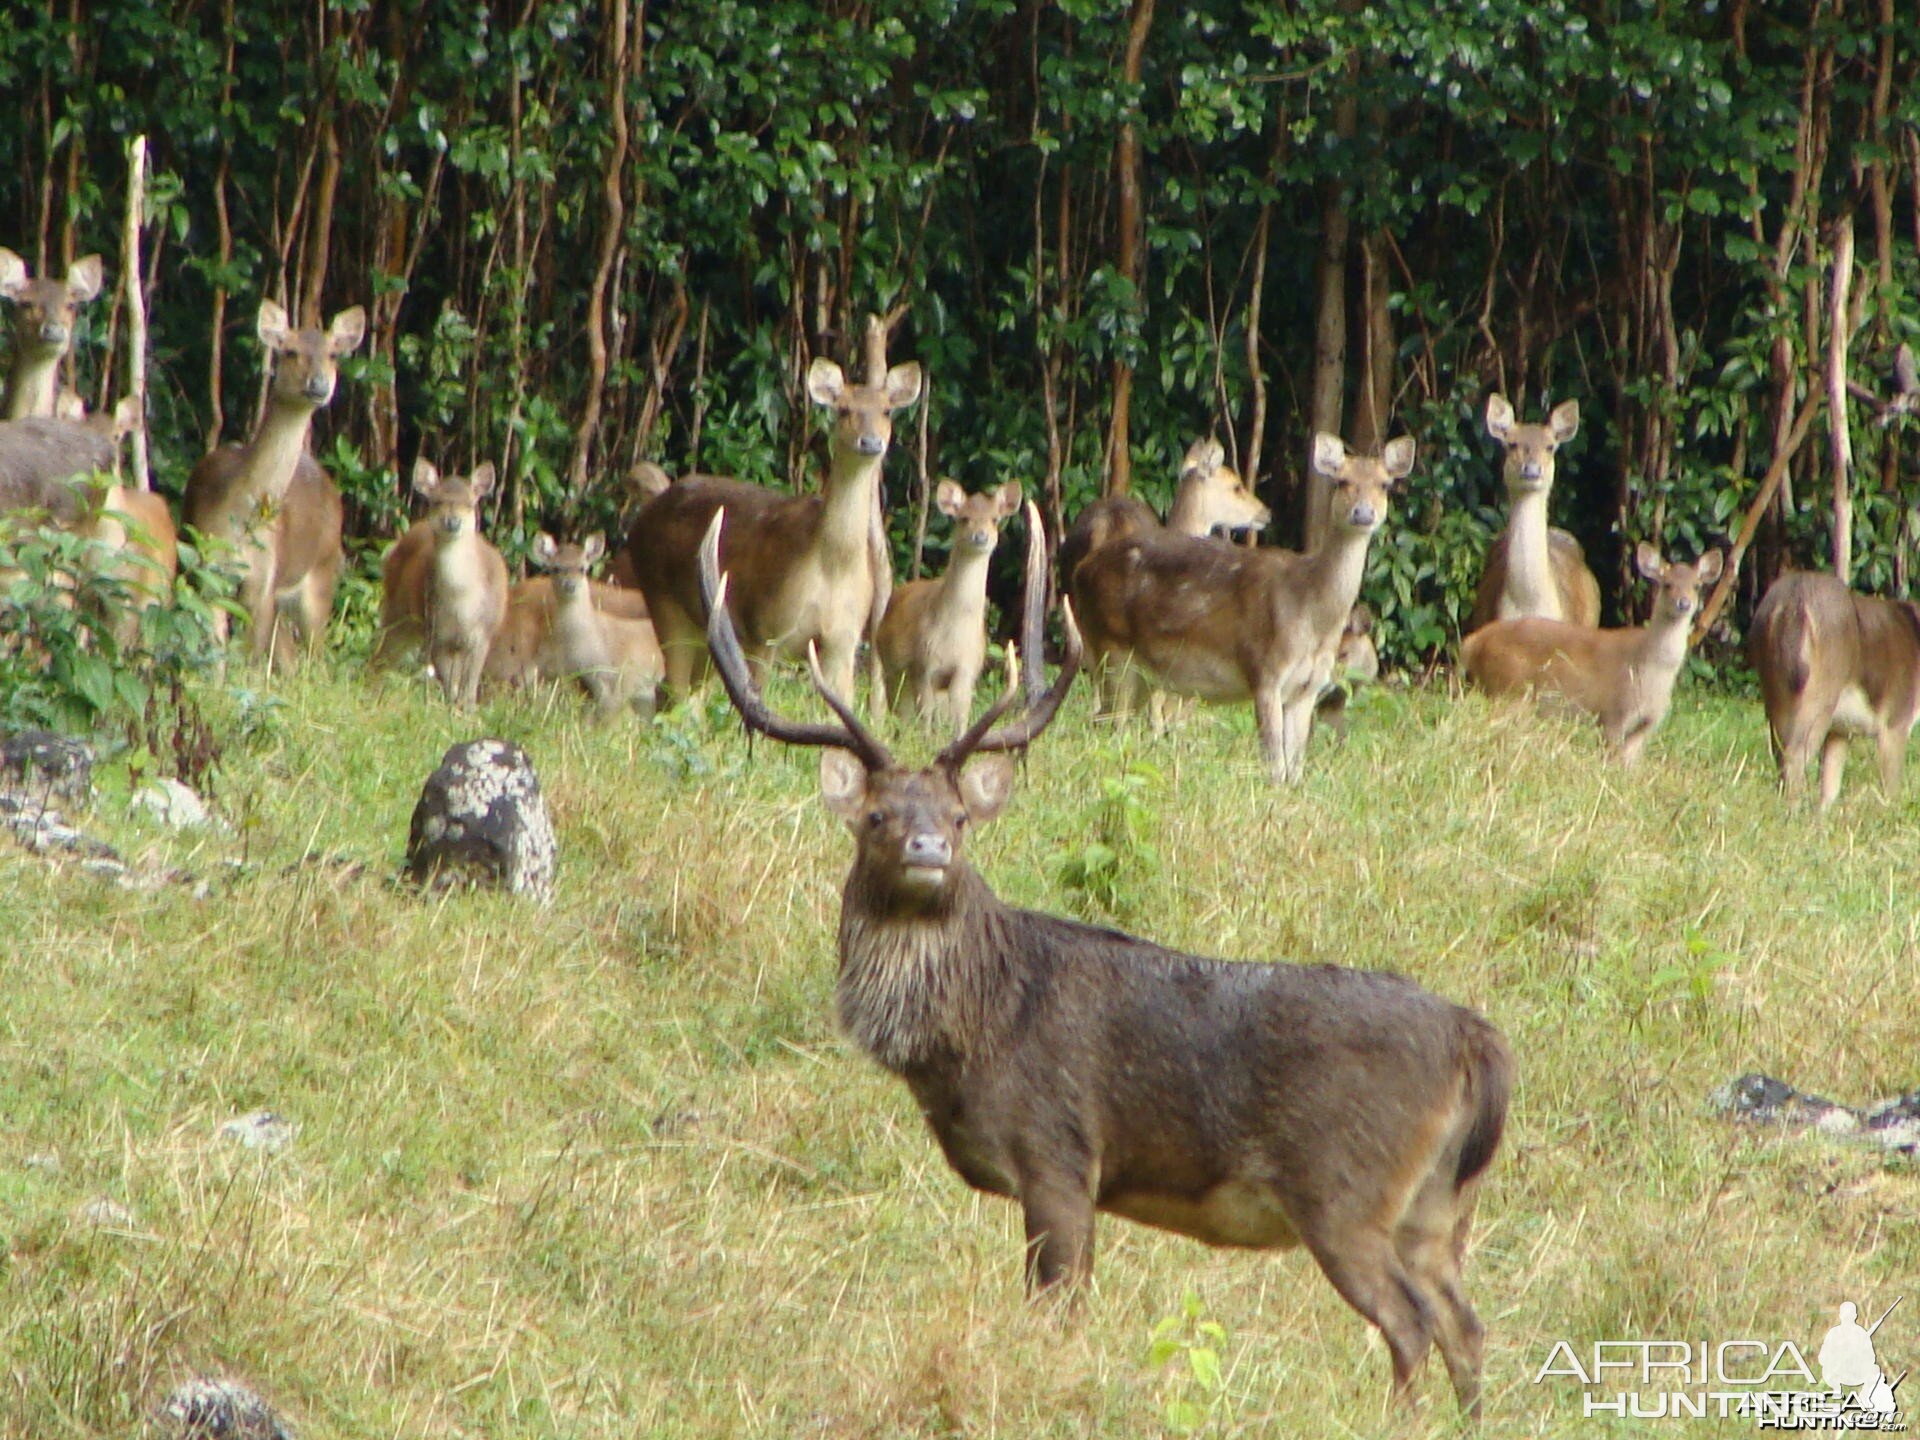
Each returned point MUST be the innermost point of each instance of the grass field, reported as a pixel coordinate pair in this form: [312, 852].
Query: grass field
[606, 1169]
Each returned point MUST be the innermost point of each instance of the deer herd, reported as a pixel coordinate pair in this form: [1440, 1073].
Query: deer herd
[1073, 1069]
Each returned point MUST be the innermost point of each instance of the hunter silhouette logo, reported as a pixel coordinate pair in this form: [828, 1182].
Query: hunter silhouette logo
[1847, 1386]
[1848, 1364]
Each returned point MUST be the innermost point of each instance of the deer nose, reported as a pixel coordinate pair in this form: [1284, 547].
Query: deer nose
[1529, 469]
[1362, 515]
[319, 388]
[932, 852]
[54, 333]
[870, 444]
[1683, 604]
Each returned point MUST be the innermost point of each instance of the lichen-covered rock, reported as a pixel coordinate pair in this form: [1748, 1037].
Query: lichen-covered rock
[1761, 1099]
[208, 1409]
[481, 820]
[172, 804]
[47, 767]
[262, 1130]
[42, 831]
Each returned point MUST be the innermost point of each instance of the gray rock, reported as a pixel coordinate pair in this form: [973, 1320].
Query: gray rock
[47, 766]
[1762, 1100]
[262, 1130]
[41, 829]
[481, 820]
[209, 1409]
[104, 1214]
[172, 804]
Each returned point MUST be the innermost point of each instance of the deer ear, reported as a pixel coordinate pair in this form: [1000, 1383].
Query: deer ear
[648, 480]
[126, 416]
[903, 385]
[1564, 423]
[85, 278]
[949, 497]
[272, 325]
[986, 784]
[543, 550]
[825, 383]
[1398, 458]
[425, 477]
[1710, 565]
[346, 332]
[13, 274]
[1360, 620]
[1646, 559]
[595, 547]
[482, 478]
[843, 783]
[1499, 418]
[1008, 497]
[1329, 455]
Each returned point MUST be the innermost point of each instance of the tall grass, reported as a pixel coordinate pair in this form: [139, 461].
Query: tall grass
[605, 1168]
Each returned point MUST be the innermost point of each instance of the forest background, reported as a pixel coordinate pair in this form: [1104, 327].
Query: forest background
[588, 235]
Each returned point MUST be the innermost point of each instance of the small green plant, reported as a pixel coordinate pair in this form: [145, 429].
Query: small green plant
[1187, 1347]
[1692, 980]
[1121, 852]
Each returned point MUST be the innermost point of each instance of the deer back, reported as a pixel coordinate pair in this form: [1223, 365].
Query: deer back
[42, 458]
[1818, 645]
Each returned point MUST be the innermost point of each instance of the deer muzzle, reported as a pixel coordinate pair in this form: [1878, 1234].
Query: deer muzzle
[871, 444]
[319, 388]
[53, 333]
[925, 858]
[1363, 516]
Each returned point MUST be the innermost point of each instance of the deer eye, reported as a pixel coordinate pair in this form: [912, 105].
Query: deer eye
[876, 818]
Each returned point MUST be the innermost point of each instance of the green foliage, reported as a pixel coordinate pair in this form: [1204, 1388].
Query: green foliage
[1188, 1347]
[1119, 854]
[81, 658]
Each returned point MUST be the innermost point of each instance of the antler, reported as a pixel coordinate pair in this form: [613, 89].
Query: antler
[731, 661]
[1041, 707]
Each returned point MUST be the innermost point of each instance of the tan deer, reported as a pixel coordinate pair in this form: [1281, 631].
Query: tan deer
[804, 569]
[1227, 624]
[1834, 664]
[272, 499]
[932, 640]
[45, 313]
[1210, 496]
[134, 523]
[1623, 677]
[561, 629]
[450, 592]
[1076, 1070]
[1356, 662]
[1533, 569]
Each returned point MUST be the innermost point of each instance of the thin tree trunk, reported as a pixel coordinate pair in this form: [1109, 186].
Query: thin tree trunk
[1330, 326]
[1375, 400]
[1839, 433]
[1126, 160]
[1256, 372]
[613, 217]
[136, 307]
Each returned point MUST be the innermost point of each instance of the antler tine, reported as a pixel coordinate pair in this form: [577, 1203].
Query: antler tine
[1041, 707]
[723, 642]
[862, 743]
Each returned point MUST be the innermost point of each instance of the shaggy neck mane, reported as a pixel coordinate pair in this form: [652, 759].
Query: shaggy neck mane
[921, 987]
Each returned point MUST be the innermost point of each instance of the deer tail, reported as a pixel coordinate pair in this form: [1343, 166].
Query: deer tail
[1489, 1083]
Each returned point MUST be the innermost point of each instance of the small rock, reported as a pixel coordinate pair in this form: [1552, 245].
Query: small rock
[262, 1130]
[45, 1161]
[48, 766]
[172, 804]
[105, 1214]
[209, 1409]
[1763, 1100]
[481, 820]
[42, 830]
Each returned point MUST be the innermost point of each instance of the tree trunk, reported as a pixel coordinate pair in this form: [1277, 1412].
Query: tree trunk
[613, 217]
[1330, 327]
[1839, 434]
[1126, 160]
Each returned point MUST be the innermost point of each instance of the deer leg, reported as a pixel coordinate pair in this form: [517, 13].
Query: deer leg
[1296, 722]
[1632, 742]
[1893, 755]
[680, 647]
[1059, 1216]
[836, 663]
[1833, 764]
[1365, 1268]
[960, 700]
[1431, 1243]
[1270, 716]
[316, 603]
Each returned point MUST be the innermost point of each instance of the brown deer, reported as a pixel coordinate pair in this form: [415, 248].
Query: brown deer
[1356, 662]
[572, 636]
[1834, 664]
[1532, 569]
[1211, 496]
[804, 567]
[449, 593]
[645, 480]
[272, 499]
[1623, 677]
[1075, 1070]
[45, 312]
[132, 522]
[1228, 624]
[932, 640]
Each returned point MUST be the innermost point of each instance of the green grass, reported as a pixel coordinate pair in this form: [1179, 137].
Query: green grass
[605, 1168]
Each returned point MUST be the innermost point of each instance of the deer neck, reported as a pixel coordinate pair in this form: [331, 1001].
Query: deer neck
[30, 386]
[272, 455]
[853, 482]
[1333, 576]
[963, 589]
[1188, 517]
[576, 624]
[1529, 588]
[1663, 643]
[920, 990]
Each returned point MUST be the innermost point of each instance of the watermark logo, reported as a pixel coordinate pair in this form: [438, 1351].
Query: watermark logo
[1767, 1381]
